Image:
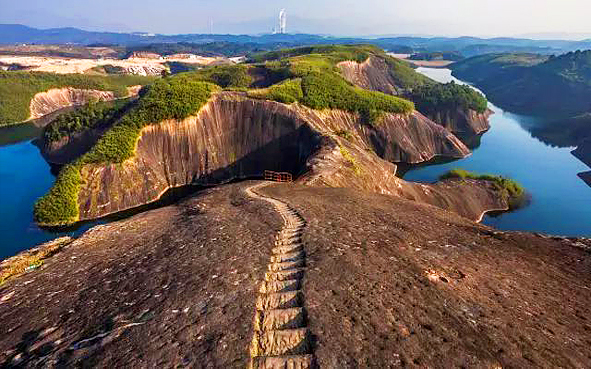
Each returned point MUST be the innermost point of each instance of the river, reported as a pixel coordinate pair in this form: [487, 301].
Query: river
[560, 200]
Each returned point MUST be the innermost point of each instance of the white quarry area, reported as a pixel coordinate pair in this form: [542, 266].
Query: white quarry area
[138, 66]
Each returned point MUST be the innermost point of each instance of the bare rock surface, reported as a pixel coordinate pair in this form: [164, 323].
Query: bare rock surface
[389, 283]
[55, 99]
[236, 137]
[374, 74]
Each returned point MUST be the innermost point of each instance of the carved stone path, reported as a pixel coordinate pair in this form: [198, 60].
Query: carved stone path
[281, 339]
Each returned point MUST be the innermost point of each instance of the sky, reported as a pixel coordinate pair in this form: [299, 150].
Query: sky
[488, 18]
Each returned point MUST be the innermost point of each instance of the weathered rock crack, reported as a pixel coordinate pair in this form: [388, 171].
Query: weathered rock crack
[281, 339]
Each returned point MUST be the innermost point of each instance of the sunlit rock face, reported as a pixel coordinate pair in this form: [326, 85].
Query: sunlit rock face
[234, 137]
[373, 74]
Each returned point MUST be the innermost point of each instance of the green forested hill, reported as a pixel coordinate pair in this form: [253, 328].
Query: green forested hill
[556, 86]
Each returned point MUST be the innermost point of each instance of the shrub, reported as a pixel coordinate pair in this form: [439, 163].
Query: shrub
[433, 98]
[347, 155]
[347, 135]
[513, 190]
[90, 116]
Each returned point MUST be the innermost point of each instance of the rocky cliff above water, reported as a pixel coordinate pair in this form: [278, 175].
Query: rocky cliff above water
[374, 74]
[46, 103]
[236, 137]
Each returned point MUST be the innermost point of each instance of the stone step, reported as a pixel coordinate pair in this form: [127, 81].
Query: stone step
[283, 362]
[280, 286]
[292, 256]
[266, 320]
[285, 275]
[281, 342]
[286, 249]
[279, 300]
[290, 234]
[273, 267]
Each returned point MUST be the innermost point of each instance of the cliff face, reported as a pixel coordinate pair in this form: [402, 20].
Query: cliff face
[46, 103]
[463, 123]
[235, 137]
[231, 137]
[70, 147]
[341, 163]
[372, 74]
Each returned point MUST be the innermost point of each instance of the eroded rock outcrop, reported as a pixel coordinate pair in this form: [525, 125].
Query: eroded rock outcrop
[236, 137]
[340, 163]
[373, 74]
[51, 101]
[464, 123]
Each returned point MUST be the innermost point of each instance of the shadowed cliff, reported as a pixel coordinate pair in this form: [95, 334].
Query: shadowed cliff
[235, 137]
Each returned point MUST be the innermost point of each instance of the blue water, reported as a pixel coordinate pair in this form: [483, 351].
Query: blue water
[560, 201]
[24, 177]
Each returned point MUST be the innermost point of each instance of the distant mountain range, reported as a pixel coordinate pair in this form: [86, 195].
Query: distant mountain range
[468, 46]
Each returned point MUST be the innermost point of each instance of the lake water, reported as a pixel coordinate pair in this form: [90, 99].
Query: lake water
[561, 201]
[24, 177]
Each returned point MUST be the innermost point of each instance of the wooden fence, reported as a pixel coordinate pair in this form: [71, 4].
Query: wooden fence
[278, 176]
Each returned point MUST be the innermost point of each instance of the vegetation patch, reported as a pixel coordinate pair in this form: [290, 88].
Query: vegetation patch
[347, 155]
[404, 75]
[433, 98]
[17, 89]
[171, 98]
[514, 191]
[346, 134]
[337, 53]
[321, 84]
[226, 76]
[31, 259]
[90, 116]
[286, 92]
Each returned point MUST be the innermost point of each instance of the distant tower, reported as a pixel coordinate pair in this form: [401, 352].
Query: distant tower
[282, 21]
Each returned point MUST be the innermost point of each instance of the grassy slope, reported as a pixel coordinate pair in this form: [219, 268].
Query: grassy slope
[17, 89]
[315, 81]
[328, 90]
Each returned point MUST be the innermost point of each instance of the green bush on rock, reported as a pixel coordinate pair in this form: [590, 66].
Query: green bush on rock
[514, 191]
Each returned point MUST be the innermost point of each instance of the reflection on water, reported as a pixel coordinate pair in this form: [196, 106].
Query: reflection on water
[18, 133]
[560, 199]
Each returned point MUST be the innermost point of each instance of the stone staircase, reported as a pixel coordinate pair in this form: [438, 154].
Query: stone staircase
[281, 339]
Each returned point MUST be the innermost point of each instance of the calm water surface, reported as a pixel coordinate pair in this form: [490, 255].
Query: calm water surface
[561, 201]
[24, 177]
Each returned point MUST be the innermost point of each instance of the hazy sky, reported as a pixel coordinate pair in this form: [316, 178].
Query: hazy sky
[341, 17]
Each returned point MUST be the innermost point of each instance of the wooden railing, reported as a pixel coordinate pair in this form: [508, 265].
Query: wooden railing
[278, 176]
